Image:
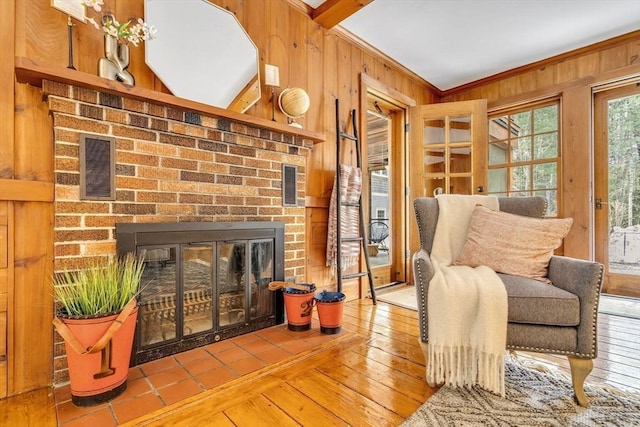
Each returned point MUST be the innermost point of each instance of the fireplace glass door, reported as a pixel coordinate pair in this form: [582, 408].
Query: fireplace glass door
[203, 282]
[197, 267]
[191, 290]
[244, 287]
[157, 313]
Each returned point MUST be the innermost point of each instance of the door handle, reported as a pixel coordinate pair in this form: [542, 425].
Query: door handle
[599, 203]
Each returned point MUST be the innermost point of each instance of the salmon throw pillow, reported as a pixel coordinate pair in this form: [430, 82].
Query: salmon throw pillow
[512, 244]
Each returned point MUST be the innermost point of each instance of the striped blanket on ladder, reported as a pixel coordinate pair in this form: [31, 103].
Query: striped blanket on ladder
[351, 188]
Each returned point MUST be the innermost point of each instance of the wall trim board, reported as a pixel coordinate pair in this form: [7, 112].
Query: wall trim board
[26, 191]
[596, 47]
[33, 73]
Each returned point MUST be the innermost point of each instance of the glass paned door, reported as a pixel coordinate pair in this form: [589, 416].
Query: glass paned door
[617, 188]
[379, 165]
[448, 152]
[383, 190]
[448, 148]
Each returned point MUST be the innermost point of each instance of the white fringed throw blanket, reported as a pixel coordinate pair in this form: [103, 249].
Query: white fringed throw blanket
[467, 307]
[351, 187]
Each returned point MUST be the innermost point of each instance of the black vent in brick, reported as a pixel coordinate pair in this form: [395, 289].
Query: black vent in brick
[289, 185]
[97, 167]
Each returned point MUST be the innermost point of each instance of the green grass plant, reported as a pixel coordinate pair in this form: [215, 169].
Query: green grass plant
[100, 288]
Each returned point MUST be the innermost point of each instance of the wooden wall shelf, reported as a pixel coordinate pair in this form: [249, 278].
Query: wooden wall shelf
[31, 72]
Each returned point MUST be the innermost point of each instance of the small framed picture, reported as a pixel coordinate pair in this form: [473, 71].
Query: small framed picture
[73, 8]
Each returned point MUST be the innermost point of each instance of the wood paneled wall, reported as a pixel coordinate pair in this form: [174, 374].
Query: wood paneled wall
[571, 76]
[324, 62]
[7, 12]
[26, 197]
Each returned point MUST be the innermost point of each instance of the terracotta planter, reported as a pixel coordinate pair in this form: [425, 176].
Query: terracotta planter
[100, 376]
[299, 308]
[330, 305]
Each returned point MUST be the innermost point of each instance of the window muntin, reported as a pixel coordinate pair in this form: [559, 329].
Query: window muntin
[524, 153]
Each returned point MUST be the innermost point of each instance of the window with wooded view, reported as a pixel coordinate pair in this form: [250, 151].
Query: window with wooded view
[624, 159]
[524, 153]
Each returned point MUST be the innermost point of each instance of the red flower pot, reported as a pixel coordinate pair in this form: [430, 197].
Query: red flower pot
[330, 305]
[100, 376]
[299, 308]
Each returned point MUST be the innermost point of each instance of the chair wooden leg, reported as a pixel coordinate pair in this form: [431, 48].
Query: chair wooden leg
[425, 351]
[580, 369]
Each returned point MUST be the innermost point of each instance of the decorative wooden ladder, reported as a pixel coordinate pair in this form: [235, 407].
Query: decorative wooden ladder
[340, 136]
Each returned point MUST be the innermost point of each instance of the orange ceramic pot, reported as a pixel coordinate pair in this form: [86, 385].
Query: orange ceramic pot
[299, 308]
[330, 305]
[101, 376]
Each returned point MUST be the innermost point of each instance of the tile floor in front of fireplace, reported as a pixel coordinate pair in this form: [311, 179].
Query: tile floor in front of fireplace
[162, 382]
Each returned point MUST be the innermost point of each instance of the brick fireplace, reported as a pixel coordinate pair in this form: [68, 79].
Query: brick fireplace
[172, 165]
[203, 282]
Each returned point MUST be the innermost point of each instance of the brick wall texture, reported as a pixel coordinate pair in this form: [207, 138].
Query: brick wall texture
[171, 166]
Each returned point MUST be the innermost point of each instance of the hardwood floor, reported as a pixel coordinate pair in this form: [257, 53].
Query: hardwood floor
[33, 409]
[372, 373]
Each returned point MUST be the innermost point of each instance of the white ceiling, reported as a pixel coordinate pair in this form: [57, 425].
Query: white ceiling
[453, 42]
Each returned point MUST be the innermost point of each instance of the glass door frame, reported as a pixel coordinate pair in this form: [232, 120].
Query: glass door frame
[398, 269]
[613, 283]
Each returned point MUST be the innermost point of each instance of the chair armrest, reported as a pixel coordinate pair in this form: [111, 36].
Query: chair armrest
[422, 274]
[584, 279]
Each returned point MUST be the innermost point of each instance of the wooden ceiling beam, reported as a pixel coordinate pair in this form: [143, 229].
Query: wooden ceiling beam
[332, 12]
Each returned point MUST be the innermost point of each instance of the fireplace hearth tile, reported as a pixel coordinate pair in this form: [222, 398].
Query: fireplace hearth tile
[296, 346]
[67, 411]
[191, 355]
[135, 387]
[273, 355]
[168, 376]
[258, 345]
[216, 377]
[318, 339]
[179, 391]
[196, 367]
[219, 346]
[158, 365]
[247, 365]
[101, 417]
[243, 340]
[134, 408]
[232, 355]
[279, 337]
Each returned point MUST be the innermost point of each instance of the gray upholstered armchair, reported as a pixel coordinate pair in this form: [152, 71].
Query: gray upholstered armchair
[559, 319]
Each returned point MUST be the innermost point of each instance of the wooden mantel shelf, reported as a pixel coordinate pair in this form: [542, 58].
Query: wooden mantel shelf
[31, 72]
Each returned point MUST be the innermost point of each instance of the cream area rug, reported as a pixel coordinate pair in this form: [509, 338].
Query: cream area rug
[619, 306]
[533, 398]
[401, 295]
